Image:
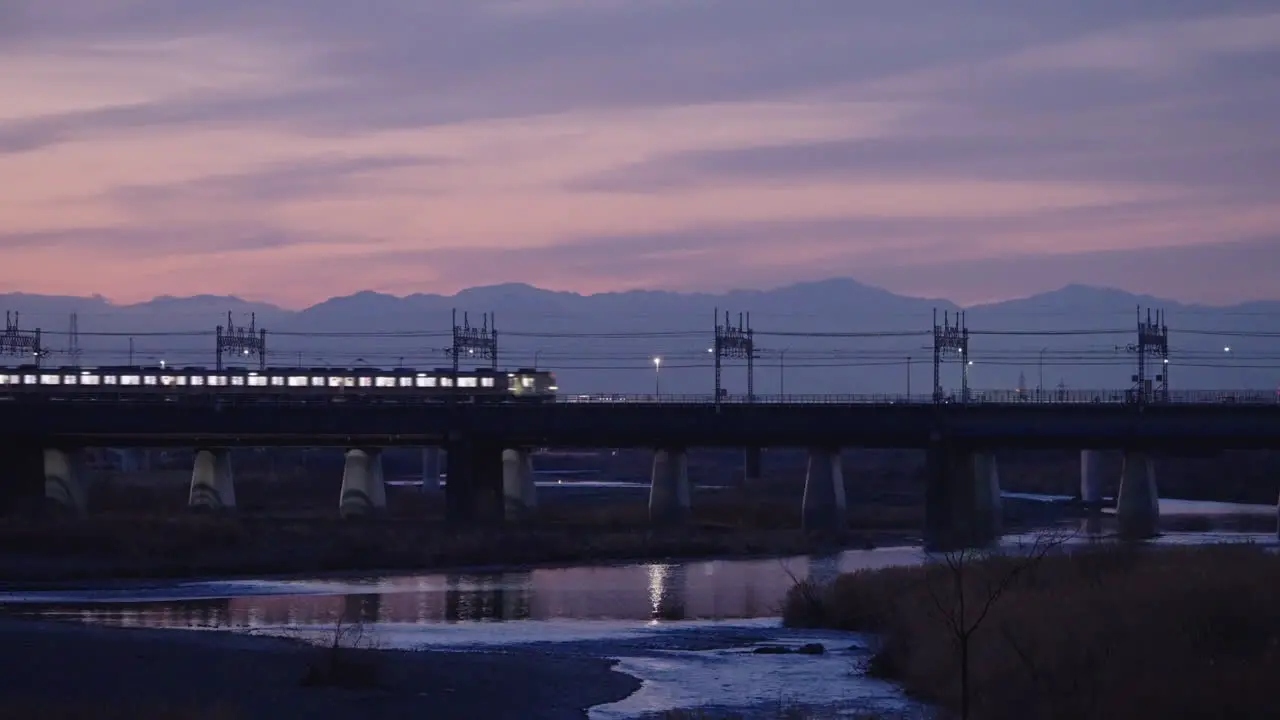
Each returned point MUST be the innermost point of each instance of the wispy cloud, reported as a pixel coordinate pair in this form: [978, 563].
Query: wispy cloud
[293, 150]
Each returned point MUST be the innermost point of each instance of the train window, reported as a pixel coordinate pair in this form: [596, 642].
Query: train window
[28, 379]
[216, 380]
[446, 382]
[197, 380]
[130, 380]
[237, 381]
[4, 379]
[406, 382]
[317, 381]
[486, 382]
[384, 382]
[297, 381]
[257, 381]
[179, 379]
[348, 382]
[466, 382]
[89, 379]
[109, 379]
[166, 380]
[49, 379]
[526, 382]
[69, 380]
[426, 381]
[335, 382]
[366, 382]
[150, 380]
[276, 381]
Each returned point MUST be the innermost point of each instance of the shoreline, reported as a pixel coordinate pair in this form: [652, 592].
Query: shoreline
[67, 665]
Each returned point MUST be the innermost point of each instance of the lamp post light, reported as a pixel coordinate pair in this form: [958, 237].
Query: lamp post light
[657, 376]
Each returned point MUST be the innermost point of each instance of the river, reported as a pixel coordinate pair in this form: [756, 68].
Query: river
[687, 629]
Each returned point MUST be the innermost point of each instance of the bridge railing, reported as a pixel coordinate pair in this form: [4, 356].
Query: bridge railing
[976, 397]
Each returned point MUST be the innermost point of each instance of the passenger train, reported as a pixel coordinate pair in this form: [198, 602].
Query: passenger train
[396, 385]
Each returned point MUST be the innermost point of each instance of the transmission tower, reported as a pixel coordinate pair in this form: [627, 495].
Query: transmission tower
[474, 343]
[242, 341]
[950, 341]
[735, 343]
[73, 340]
[1153, 344]
[21, 343]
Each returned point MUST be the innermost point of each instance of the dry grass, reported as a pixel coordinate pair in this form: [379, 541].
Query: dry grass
[1109, 633]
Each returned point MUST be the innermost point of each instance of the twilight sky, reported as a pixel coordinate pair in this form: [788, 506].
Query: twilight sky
[292, 150]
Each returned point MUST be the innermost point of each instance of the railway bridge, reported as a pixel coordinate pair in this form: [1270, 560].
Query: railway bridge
[487, 445]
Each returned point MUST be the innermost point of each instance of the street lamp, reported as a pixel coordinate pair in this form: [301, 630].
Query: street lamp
[657, 376]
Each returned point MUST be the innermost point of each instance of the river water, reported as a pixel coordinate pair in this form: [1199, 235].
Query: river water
[686, 629]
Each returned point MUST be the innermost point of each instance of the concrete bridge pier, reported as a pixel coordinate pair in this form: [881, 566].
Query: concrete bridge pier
[212, 481]
[962, 499]
[520, 496]
[823, 506]
[66, 477]
[669, 502]
[1138, 502]
[364, 490]
[1091, 478]
[431, 466]
[475, 488]
[751, 468]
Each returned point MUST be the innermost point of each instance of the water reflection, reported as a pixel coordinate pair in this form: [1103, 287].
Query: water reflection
[667, 587]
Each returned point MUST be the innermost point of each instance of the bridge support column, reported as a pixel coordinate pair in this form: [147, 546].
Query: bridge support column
[962, 499]
[21, 477]
[66, 480]
[669, 488]
[474, 491]
[1091, 478]
[212, 481]
[431, 465]
[751, 468]
[520, 497]
[824, 506]
[1138, 502]
[364, 491]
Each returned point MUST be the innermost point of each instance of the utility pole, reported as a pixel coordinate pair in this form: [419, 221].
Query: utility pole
[73, 341]
[21, 343]
[782, 373]
[478, 343]
[908, 378]
[1153, 343]
[239, 341]
[950, 340]
[735, 342]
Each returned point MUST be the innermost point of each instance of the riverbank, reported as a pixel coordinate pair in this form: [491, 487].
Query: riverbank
[1114, 632]
[67, 670]
[193, 546]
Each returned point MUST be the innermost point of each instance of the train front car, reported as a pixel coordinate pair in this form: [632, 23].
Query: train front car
[530, 385]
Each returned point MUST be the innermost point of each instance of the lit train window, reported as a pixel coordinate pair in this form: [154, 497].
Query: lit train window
[217, 380]
[49, 379]
[180, 380]
[406, 382]
[197, 380]
[277, 381]
[384, 382]
[446, 382]
[166, 380]
[526, 381]
[237, 381]
[28, 379]
[69, 380]
[257, 381]
[110, 380]
[366, 382]
[335, 382]
[297, 381]
[426, 381]
[317, 381]
[466, 382]
[89, 379]
[130, 380]
[486, 382]
[150, 380]
[4, 379]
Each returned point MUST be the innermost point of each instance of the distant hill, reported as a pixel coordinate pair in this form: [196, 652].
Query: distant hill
[836, 335]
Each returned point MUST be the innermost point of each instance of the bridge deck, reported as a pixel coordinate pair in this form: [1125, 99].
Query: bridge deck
[248, 422]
